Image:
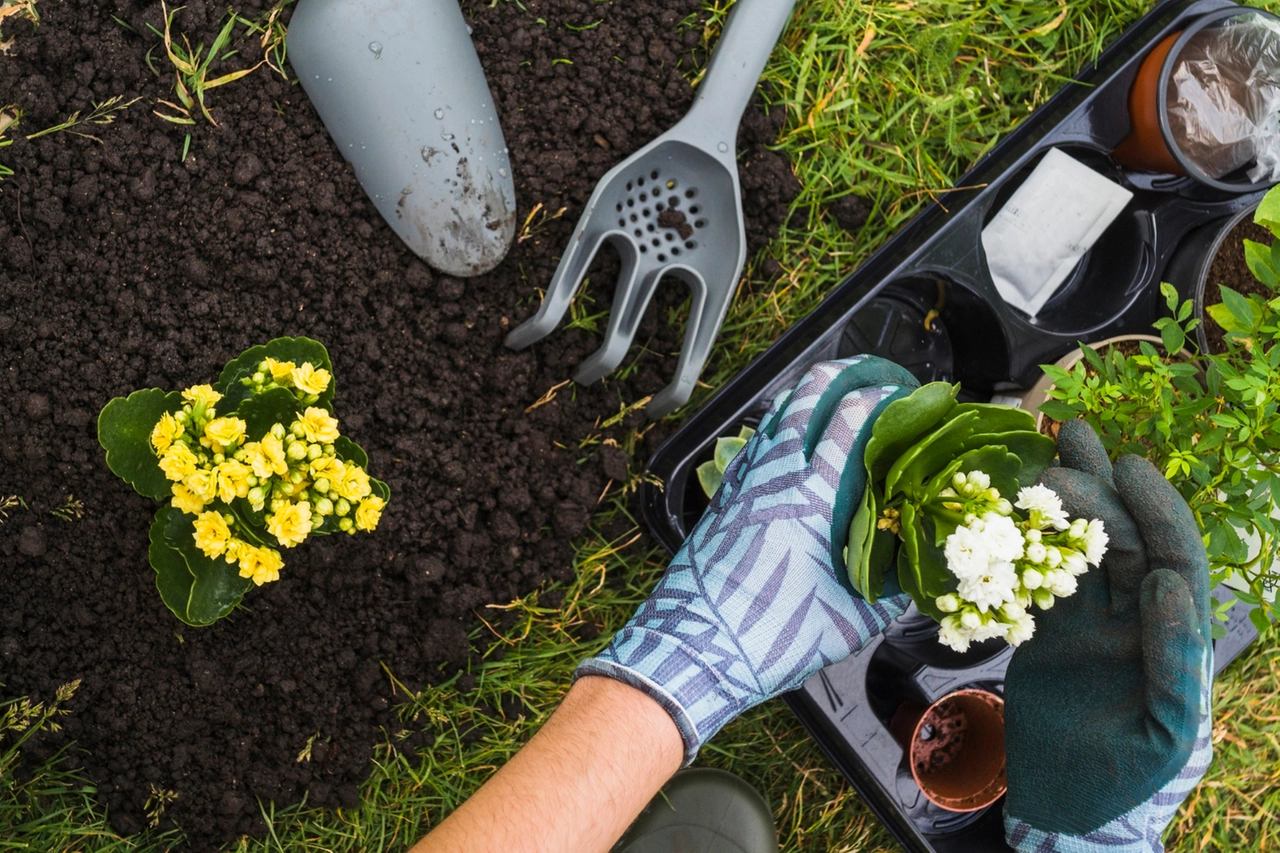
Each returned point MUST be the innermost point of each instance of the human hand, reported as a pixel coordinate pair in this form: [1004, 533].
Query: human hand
[756, 600]
[1107, 724]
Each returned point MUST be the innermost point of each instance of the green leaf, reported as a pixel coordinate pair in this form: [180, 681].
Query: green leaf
[879, 560]
[922, 569]
[903, 422]
[246, 364]
[1258, 258]
[173, 579]
[263, 411]
[1033, 450]
[709, 477]
[924, 458]
[1239, 307]
[124, 431]
[1224, 318]
[349, 451]
[745, 433]
[1258, 616]
[726, 450]
[380, 489]
[1059, 411]
[215, 587]
[858, 548]
[1268, 213]
[998, 463]
[1173, 338]
[997, 418]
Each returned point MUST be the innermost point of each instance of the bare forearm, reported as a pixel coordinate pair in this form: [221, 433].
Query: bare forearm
[577, 785]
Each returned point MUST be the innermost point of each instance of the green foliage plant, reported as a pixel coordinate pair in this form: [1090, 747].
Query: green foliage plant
[711, 472]
[250, 464]
[1210, 423]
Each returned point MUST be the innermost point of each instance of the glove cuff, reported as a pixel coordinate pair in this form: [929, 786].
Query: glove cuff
[673, 675]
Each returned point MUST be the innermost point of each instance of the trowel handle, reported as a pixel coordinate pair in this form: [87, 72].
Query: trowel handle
[749, 34]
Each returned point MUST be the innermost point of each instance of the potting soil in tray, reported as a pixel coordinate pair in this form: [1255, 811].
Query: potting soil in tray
[123, 266]
[1229, 268]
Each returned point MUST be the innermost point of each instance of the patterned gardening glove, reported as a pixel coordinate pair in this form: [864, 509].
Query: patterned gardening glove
[1107, 723]
[757, 599]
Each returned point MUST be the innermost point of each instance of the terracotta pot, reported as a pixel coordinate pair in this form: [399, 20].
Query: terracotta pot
[955, 748]
[1145, 148]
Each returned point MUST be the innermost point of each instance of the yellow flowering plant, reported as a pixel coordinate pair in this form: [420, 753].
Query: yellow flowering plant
[249, 465]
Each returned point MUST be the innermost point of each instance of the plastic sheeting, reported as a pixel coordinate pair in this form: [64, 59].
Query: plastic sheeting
[1224, 98]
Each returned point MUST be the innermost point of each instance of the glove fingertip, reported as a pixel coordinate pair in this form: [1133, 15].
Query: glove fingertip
[1080, 448]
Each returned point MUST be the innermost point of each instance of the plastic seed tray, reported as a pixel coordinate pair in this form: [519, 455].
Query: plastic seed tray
[937, 262]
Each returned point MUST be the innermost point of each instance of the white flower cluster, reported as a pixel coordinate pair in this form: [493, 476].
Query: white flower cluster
[1005, 564]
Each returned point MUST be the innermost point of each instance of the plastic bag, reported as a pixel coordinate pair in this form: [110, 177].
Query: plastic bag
[1224, 98]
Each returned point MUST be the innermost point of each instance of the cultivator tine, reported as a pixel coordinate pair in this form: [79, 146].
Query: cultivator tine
[568, 276]
[630, 300]
[707, 308]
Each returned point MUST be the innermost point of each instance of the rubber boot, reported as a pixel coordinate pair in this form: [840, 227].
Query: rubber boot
[703, 810]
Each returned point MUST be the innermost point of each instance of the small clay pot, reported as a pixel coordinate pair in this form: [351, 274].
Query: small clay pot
[1151, 145]
[955, 748]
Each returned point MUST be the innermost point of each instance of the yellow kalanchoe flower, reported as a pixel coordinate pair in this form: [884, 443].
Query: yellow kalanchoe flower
[212, 534]
[178, 461]
[369, 512]
[201, 395]
[166, 430]
[279, 369]
[275, 462]
[330, 467]
[231, 478]
[261, 564]
[310, 379]
[224, 432]
[185, 500]
[291, 523]
[202, 484]
[319, 425]
[354, 483]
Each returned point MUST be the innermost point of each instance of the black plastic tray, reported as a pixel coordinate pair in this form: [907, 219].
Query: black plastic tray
[989, 348]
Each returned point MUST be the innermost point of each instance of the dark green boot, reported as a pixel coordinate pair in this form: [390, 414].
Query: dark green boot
[703, 811]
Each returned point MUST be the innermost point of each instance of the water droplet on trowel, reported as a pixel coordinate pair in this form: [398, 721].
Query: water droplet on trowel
[446, 135]
[375, 47]
[722, 147]
[502, 172]
[439, 113]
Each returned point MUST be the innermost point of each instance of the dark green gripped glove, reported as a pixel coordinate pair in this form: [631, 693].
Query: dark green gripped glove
[1107, 723]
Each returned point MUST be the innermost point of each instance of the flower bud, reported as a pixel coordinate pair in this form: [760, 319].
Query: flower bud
[322, 485]
[1053, 557]
[347, 525]
[259, 378]
[342, 507]
[324, 506]
[1033, 536]
[278, 504]
[958, 481]
[948, 603]
[329, 450]
[251, 480]
[295, 477]
[1043, 598]
[1032, 579]
[219, 458]
[182, 417]
[278, 431]
[333, 495]
[311, 398]
[971, 620]
[263, 367]
[256, 495]
[1036, 552]
[296, 451]
[229, 519]
[297, 430]
[317, 521]
[1077, 528]
[1003, 507]
[314, 451]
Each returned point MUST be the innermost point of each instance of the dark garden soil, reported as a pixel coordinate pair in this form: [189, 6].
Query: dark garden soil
[1229, 268]
[123, 267]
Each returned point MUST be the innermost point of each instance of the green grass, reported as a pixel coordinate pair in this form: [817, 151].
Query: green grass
[895, 117]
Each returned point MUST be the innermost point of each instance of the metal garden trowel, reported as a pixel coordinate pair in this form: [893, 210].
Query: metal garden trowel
[401, 91]
[673, 208]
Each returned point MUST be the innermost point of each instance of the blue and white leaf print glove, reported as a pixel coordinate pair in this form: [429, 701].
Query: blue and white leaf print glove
[754, 602]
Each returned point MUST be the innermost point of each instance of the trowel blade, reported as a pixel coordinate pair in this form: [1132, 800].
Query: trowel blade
[401, 91]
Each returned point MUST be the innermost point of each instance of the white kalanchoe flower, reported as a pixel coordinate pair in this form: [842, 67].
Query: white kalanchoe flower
[1095, 542]
[948, 603]
[1060, 582]
[1075, 563]
[1036, 551]
[992, 587]
[1003, 538]
[966, 552]
[1032, 578]
[1044, 505]
[1053, 557]
[1019, 629]
[952, 634]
